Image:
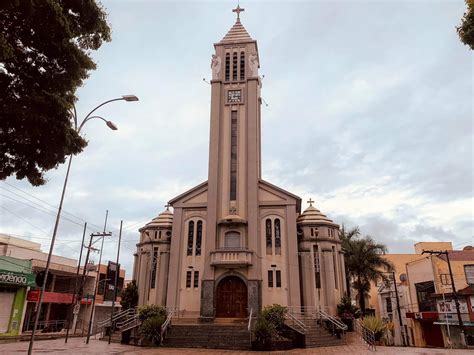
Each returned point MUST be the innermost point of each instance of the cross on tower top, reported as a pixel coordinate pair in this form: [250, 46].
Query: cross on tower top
[310, 201]
[168, 206]
[238, 10]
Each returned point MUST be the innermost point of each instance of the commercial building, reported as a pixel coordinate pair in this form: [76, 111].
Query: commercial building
[429, 317]
[61, 284]
[15, 278]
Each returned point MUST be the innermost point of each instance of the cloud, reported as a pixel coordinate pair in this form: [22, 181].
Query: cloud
[369, 114]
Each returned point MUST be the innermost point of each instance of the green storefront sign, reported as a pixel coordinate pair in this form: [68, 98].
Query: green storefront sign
[17, 278]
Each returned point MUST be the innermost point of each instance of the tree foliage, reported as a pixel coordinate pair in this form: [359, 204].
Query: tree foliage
[151, 310]
[466, 28]
[364, 262]
[45, 51]
[129, 295]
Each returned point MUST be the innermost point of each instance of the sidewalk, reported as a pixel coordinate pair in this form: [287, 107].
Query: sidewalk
[78, 346]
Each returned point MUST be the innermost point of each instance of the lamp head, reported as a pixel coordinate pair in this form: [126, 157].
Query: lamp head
[129, 97]
[111, 125]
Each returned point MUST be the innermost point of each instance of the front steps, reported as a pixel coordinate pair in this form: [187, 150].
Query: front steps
[208, 336]
[317, 336]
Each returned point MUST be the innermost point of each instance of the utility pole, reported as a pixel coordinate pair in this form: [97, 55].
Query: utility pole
[402, 330]
[73, 301]
[117, 274]
[455, 295]
[80, 294]
[104, 234]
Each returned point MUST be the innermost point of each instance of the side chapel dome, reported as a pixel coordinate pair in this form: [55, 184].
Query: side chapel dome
[314, 216]
[163, 220]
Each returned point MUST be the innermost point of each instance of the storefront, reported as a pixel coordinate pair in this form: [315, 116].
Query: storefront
[15, 278]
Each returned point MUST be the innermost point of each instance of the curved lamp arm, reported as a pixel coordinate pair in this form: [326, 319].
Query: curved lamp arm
[128, 98]
[109, 124]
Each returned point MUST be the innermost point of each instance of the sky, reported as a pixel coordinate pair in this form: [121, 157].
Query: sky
[369, 114]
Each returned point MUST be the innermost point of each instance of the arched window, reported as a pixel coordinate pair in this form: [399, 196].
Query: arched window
[277, 237]
[234, 66]
[242, 65]
[268, 235]
[198, 237]
[227, 66]
[232, 240]
[190, 238]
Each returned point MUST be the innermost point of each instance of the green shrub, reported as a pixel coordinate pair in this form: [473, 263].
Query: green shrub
[151, 329]
[346, 310]
[150, 311]
[264, 331]
[374, 324]
[275, 314]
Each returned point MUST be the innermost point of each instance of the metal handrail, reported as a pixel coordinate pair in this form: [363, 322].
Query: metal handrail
[128, 324]
[333, 320]
[303, 327]
[250, 319]
[122, 314]
[367, 335]
[165, 325]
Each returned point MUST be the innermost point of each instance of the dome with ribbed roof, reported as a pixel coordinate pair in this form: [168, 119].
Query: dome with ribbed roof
[314, 216]
[163, 220]
[237, 34]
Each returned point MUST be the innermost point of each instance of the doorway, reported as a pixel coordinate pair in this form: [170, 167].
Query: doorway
[231, 298]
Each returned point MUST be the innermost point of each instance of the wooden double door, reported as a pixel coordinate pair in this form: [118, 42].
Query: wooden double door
[231, 298]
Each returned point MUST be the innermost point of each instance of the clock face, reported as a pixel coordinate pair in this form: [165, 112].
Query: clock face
[234, 96]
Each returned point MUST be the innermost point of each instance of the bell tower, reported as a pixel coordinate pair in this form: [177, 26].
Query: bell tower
[234, 155]
[234, 150]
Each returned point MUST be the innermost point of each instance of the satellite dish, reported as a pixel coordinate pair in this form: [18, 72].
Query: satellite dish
[403, 277]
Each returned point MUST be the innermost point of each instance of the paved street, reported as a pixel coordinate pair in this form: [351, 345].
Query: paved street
[78, 346]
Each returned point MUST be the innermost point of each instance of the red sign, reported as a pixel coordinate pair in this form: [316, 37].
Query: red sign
[33, 295]
[423, 315]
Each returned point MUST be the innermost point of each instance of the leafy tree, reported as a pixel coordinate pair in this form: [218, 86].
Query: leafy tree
[364, 262]
[466, 29]
[45, 51]
[129, 295]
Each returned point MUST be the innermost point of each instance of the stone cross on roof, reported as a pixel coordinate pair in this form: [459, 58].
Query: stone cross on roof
[238, 10]
[310, 201]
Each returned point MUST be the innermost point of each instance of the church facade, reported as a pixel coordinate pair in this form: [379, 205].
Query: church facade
[236, 243]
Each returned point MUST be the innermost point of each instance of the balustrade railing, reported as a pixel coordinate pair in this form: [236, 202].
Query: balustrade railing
[367, 336]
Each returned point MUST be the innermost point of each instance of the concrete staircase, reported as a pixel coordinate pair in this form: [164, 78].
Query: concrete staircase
[317, 336]
[115, 338]
[208, 336]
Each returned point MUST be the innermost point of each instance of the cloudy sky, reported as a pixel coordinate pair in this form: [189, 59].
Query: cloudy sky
[369, 113]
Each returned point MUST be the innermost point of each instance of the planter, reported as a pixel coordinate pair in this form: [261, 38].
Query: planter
[349, 322]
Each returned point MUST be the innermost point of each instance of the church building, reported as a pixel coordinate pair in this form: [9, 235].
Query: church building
[236, 243]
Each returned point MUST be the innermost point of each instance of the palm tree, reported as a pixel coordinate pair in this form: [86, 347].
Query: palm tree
[364, 262]
[346, 237]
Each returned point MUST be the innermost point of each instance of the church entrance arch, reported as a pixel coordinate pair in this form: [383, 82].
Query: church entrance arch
[231, 298]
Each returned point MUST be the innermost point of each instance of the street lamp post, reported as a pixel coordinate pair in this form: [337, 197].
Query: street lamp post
[78, 128]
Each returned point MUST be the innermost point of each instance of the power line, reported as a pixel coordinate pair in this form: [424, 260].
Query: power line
[47, 203]
[41, 210]
[24, 220]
